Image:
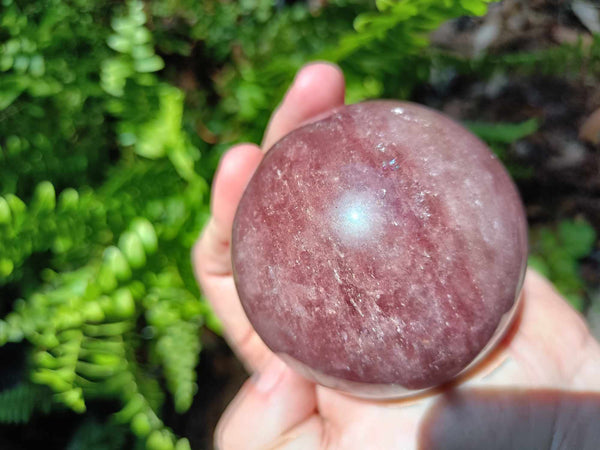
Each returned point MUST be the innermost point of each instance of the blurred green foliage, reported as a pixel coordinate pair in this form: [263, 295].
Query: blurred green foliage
[503, 133]
[556, 252]
[567, 60]
[96, 256]
[20, 402]
[499, 136]
[52, 117]
[95, 435]
[112, 119]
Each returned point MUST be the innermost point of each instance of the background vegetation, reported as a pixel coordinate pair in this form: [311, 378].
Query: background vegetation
[112, 119]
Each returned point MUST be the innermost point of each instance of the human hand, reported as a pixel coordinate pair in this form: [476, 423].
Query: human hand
[548, 346]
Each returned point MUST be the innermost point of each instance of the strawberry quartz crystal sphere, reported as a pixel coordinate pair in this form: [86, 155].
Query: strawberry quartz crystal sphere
[381, 250]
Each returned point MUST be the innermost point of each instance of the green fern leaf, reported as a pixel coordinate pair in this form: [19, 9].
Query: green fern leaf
[19, 403]
[94, 435]
[178, 348]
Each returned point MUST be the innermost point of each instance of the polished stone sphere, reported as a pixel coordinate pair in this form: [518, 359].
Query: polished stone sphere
[380, 250]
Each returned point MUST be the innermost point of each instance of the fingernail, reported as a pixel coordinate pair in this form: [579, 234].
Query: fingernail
[268, 379]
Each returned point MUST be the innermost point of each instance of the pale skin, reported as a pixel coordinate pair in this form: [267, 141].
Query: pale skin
[548, 345]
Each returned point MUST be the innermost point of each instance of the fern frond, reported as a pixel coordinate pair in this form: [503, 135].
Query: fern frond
[94, 435]
[19, 403]
[69, 226]
[178, 348]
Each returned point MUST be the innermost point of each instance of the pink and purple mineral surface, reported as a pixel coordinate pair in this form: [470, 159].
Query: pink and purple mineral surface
[380, 250]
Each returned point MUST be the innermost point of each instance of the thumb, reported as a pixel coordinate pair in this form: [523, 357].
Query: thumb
[272, 402]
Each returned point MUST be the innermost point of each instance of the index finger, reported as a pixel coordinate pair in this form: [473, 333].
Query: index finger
[317, 89]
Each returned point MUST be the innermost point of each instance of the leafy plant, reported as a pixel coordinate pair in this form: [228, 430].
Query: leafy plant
[114, 255]
[19, 403]
[503, 133]
[556, 252]
[499, 136]
[52, 123]
[95, 435]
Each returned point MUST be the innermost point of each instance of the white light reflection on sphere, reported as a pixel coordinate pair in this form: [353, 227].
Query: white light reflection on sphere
[358, 218]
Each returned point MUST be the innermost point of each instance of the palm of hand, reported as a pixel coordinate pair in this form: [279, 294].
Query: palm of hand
[549, 346]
